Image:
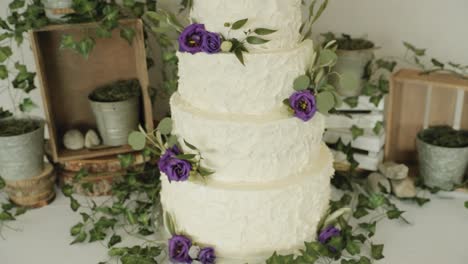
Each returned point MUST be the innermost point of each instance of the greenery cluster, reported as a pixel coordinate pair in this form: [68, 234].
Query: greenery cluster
[417, 56]
[15, 127]
[117, 92]
[317, 79]
[445, 136]
[8, 211]
[132, 210]
[312, 17]
[346, 42]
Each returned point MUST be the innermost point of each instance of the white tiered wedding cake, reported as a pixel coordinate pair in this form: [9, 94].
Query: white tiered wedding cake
[271, 184]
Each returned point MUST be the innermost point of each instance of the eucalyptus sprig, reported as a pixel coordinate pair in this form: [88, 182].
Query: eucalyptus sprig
[159, 141]
[317, 77]
[306, 27]
[252, 37]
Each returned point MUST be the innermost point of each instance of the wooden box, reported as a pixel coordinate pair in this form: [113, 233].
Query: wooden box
[418, 101]
[67, 78]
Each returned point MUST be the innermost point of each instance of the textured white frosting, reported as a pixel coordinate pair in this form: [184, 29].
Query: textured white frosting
[252, 221]
[244, 148]
[282, 15]
[220, 83]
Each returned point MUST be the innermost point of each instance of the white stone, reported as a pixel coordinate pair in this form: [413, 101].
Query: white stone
[404, 188]
[92, 139]
[394, 171]
[73, 140]
[375, 180]
[194, 251]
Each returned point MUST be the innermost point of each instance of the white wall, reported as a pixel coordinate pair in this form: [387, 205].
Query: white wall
[439, 25]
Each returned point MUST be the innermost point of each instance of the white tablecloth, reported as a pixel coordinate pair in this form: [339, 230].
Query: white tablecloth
[438, 235]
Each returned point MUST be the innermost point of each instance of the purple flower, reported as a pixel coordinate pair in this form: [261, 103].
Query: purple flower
[169, 154]
[179, 247]
[304, 105]
[207, 256]
[328, 233]
[178, 170]
[191, 39]
[211, 43]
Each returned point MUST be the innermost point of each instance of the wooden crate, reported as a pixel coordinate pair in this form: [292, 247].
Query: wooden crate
[66, 79]
[418, 101]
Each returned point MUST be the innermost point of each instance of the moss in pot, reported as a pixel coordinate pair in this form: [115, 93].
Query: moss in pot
[116, 108]
[354, 55]
[22, 151]
[443, 156]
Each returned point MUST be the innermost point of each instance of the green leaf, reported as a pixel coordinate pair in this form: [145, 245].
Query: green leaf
[165, 126]
[76, 229]
[67, 190]
[356, 132]
[172, 141]
[4, 114]
[240, 56]
[264, 31]
[378, 127]
[74, 205]
[376, 99]
[5, 53]
[394, 214]
[437, 63]
[364, 260]
[377, 251]
[301, 83]
[128, 34]
[421, 201]
[126, 160]
[6, 216]
[84, 216]
[27, 105]
[369, 227]
[352, 101]
[192, 147]
[102, 32]
[20, 211]
[327, 58]
[114, 240]
[256, 40]
[16, 4]
[360, 213]
[337, 243]
[67, 42]
[239, 24]
[353, 248]
[4, 24]
[80, 238]
[187, 157]
[417, 52]
[2, 181]
[137, 140]
[466, 204]
[376, 200]
[369, 89]
[129, 3]
[170, 224]
[3, 72]
[325, 102]
[205, 172]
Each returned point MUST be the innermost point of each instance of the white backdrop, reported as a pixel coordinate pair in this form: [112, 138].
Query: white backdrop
[440, 26]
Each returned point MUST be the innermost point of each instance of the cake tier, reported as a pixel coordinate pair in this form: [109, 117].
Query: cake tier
[245, 221]
[220, 83]
[285, 16]
[242, 148]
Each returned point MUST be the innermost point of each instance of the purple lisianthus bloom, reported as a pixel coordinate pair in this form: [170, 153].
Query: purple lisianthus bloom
[169, 154]
[207, 256]
[327, 234]
[211, 43]
[179, 247]
[191, 39]
[178, 170]
[304, 105]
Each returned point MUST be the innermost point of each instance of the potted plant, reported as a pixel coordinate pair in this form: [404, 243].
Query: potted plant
[354, 55]
[116, 108]
[56, 10]
[443, 156]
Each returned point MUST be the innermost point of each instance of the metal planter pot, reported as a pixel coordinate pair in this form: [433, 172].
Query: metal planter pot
[116, 120]
[442, 167]
[22, 157]
[352, 64]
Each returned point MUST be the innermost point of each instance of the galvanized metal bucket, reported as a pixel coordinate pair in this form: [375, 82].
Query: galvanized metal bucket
[352, 63]
[442, 167]
[116, 120]
[22, 157]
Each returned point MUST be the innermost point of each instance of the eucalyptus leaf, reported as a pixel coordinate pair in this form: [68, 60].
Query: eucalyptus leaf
[165, 126]
[256, 40]
[264, 31]
[325, 102]
[137, 140]
[192, 147]
[327, 58]
[302, 83]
